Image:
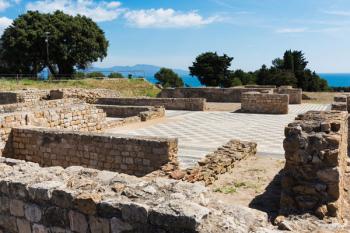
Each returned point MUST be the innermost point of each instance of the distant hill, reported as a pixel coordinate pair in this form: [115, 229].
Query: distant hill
[140, 68]
[146, 70]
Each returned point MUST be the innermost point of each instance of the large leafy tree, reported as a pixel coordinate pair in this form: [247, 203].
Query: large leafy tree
[74, 42]
[291, 69]
[212, 69]
[168, 78]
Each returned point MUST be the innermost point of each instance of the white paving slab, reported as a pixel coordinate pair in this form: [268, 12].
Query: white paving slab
[200, 133]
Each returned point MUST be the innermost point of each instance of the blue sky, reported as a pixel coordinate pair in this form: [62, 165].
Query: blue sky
[172, 33]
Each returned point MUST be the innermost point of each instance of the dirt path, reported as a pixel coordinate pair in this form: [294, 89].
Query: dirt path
[250, 179]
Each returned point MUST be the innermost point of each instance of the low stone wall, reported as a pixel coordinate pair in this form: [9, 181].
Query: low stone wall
[219, 162]
[134, 155]
[316, 152]
[340, 98]
[144, 112]
[211, 94]
[341, 102]
[87, 95]
[254, 102]
[339, 106]
[30, 106]
[56, 200]
[190, 104]
[78, 117]
[260, 86]
[28, 95]
[295, 94]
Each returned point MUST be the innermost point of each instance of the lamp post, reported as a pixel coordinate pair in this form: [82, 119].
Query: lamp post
[47, 51]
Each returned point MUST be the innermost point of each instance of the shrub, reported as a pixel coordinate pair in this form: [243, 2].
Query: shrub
[95, 75]
[115, 75]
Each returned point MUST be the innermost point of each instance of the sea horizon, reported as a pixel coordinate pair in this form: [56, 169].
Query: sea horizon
[333, 79]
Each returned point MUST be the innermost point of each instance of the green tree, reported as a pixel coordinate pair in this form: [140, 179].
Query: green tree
[245, 77]
[291, 70]
[73, 42]
[168, 78]
[115, 75]
[95, 75]
[212, 69]
[278, 77]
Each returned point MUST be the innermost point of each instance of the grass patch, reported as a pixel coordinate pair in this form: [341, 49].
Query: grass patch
[126, 87]
[237, 185]
[226, 190]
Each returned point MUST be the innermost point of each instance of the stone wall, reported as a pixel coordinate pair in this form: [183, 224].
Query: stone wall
[255, 102]
[339, 106]
[87, 95]
[341, 102]
[57, 200]
[144, 112]
[211, 94]
[79, 117]
[134, 155]
[219, 162]
[190, 104]
[316, 152]
[28, 95]
[295, 94]
[30, 106]
[260, 86]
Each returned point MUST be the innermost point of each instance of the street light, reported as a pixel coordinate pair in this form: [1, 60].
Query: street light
[47, 34]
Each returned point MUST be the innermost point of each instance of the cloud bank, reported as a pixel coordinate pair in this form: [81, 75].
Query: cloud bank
[99, 11]
[166, 18]
[4, 23]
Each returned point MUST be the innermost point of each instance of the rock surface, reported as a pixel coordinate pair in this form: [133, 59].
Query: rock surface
[80, 200]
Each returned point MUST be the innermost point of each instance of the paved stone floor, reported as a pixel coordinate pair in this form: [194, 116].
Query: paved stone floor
[200, 133]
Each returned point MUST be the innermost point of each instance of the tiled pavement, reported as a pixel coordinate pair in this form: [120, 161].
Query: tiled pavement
[202, 132]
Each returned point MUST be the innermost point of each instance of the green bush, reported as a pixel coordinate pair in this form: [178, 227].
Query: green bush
[168, 78]
[78, 75]
[95, 75]
[115, 75]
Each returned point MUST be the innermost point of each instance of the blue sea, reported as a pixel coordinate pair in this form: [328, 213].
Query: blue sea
[188, 80]
[337, 79]
[334, 79]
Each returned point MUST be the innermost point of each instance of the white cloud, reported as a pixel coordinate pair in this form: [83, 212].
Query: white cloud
[4, 23]
[338, 13]
[166, 18]
[112, 5]
[99, 11]
[4, 4]
[291, 30]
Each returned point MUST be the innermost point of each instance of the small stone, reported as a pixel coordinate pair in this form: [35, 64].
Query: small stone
[23, 226]
[78, 222]
[177, 174]
[279, 219]
[33, 213]
[99, 225]
[86, 202]
[321, 212]
[17, 208]
[118, 226]
[285, 226]
[39, 229]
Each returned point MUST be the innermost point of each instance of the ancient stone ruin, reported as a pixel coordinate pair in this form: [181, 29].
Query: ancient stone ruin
[316, 159]
[60, 171]
[231, 95]
[256, 102]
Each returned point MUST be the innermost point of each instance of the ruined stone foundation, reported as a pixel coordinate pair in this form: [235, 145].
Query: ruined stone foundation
[316, 152]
